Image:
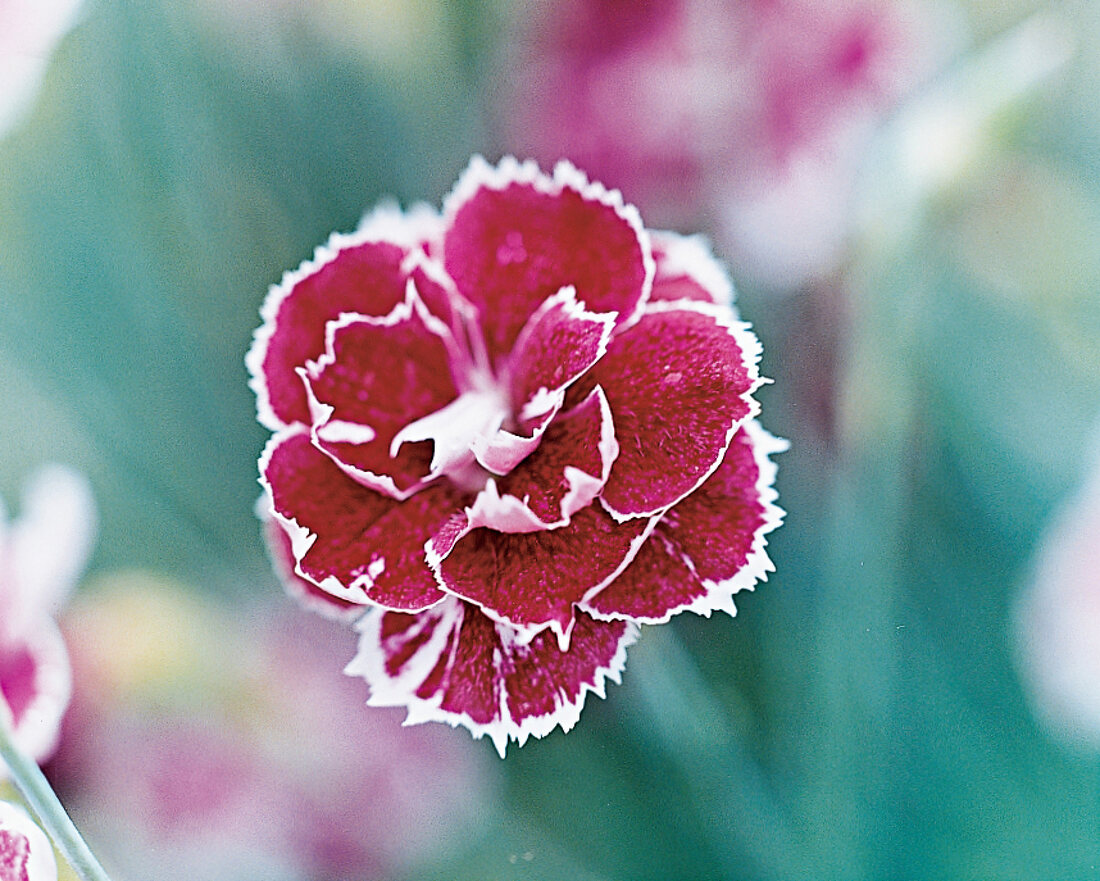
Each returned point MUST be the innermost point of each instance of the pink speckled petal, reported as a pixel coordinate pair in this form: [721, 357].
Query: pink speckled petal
[25, 851]
[454, 664]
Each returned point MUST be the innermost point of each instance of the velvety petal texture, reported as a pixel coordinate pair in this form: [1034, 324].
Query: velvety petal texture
[506, 437]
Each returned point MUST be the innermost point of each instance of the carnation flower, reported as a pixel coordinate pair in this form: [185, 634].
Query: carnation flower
[750, 114]
[25, 852]
[41, 556]
[507, 435]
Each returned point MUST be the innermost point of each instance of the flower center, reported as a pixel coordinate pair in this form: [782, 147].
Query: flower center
[479, 412]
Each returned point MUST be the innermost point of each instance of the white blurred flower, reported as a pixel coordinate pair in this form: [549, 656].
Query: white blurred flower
[1058, 619]
[29, 32]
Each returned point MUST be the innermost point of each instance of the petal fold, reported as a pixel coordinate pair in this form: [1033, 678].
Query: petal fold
[379, 376]
[560, 342]
[688, 270]
[351, 541]
[454, 664]
[564, 475]
[346, 275]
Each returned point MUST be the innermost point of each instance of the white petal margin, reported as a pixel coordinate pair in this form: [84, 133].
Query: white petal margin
[693, 257]
[387, 691]
[41, 864]
[386, 224]
[751, 350]
[437, 548]
[284, 564]
[479, 175]
[301, 539]
[719, 594]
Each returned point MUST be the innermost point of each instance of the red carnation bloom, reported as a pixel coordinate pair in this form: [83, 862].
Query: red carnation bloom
[510, 434]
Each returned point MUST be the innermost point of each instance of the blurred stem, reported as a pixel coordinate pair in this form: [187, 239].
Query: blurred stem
[40, 797]
[732, 791]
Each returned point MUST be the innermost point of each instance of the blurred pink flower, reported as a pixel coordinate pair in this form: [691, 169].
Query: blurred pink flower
[748, 116]
[41, 556]
[513, 432]
[29, 32]
[1058, 618]
[206, 750]
[25, 852]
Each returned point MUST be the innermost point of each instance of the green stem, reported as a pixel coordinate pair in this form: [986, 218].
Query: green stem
[41, 798]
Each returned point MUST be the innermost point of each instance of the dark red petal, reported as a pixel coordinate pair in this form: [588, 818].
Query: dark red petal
[353, 542]
[561, 477]
[347, 275]
[688, 270]
[308, 594]
[377, 376]
[532, 580]
[679, 383]
[560, 342]
[515, 236]
[454, 664]
[709, 546]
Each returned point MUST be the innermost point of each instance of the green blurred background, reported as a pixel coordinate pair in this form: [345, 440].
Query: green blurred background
[862, 716]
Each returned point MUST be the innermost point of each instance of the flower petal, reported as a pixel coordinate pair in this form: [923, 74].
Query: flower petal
[47, 546]
[707, 547]
[25, 851]
[516, 236]
[564, 475]
[454, 664]
[353, 542]
[688, 270]
[35, 685]
[377, 377]
[679, 383]
[560, 342]
[346, 275]
[531, 580]
[309, 595]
